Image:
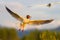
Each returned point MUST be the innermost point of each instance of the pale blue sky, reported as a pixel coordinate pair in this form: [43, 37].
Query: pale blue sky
[22, 8]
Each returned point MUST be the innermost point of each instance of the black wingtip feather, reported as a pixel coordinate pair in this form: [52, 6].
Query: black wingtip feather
[8, 9]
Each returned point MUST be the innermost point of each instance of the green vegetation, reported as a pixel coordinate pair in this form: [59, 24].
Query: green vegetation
[42, 35]
[8, 34]
[11, 34]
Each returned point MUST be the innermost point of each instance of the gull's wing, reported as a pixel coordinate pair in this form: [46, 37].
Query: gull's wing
[38, 22]
[14, 14]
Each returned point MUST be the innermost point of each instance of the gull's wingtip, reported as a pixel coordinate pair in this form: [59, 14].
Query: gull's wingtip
[6, 7]
[52, 19]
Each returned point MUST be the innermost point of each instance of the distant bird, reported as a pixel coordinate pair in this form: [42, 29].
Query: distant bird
[25, 21]
[48, 5]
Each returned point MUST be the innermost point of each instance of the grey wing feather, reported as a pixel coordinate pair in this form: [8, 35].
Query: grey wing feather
[38, 22]
[14, 14]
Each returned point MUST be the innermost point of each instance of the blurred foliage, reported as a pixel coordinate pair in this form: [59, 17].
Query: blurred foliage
[42, 35]
[33, 35]
[11, 34]
[8, 34]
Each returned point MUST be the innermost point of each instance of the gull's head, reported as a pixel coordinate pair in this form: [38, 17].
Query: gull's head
[28, 16]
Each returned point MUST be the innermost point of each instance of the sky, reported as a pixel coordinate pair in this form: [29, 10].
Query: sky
[32, 8]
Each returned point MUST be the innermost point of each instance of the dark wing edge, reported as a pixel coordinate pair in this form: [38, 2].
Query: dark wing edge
[14, 14]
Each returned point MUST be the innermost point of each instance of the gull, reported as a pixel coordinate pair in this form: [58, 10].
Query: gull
[25, 21]
[48, 5]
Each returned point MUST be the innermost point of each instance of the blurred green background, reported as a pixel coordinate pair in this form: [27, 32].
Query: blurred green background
[12, 34]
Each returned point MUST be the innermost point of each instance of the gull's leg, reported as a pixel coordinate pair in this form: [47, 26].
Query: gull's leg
[20, 27]
[23, 27]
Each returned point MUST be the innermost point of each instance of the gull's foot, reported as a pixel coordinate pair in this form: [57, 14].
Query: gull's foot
[22, 30]
[19, 29]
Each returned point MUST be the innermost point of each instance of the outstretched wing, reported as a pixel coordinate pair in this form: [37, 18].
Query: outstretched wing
[38, 22]
[14, 14]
